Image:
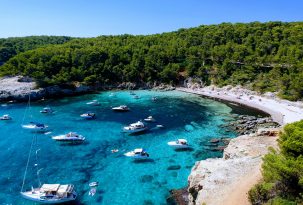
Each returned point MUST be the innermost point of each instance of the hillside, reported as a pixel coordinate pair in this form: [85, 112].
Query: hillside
[261, 56]
[10, 47]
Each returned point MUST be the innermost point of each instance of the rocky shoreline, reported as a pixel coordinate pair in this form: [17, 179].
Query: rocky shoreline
[214, 181]
[227, 180]
[19, 88]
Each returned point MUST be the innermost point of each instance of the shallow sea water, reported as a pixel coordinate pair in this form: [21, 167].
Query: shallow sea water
[121, 180]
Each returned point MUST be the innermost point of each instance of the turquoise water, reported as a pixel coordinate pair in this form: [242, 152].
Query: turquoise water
[121, 180]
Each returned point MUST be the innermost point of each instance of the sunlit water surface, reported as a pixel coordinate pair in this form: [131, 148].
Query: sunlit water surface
[121, 180]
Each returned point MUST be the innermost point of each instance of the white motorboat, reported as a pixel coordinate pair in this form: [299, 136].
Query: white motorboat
[51, 194]
[47, 110]
[135, 127]
[71, 136]
[138, 153]
[88, 115]
[5, 117]
[150, 119]
[93, 103]
[180, 143]
[35, 126]
[121, 108]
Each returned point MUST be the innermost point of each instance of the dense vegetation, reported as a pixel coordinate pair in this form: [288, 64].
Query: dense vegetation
[262, 56]
[10, 47]
[282, 171]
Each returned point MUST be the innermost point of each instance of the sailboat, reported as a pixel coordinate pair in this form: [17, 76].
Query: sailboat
[45, 193]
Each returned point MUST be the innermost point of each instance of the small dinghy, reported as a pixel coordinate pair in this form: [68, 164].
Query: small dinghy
[71, 137]
[93, 184]
[51, 194]
[88, 115]
[46, 110]
[5, 117]
[179, 144]
[121, 108]
[135, 127]
[150, 119]
[138, 153]
[35, 126]
[93, 103]
[160, 126]
[93, 188]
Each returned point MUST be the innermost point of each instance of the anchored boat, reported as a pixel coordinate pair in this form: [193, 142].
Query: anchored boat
[71, 136]
[179, 144]
[138, 153]
[135, 127]
[121, 108]
[51, 193]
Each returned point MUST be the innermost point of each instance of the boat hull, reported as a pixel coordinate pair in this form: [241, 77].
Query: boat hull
[33, 127]
[37, 198]
[178, 146]
[135, 130]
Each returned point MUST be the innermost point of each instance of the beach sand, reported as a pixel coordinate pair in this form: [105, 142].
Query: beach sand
[282, 111]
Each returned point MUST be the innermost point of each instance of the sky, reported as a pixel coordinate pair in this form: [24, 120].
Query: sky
[91, 18]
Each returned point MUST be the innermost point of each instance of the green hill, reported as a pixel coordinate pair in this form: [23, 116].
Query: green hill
[262, 56]
[10, 47]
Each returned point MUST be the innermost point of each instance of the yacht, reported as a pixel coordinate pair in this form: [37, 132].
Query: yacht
[93, 103]
[135, 127]
[5, 117]
[88, 115]
[71, 136]
[138, 153]
[121, 108]
[51, 193]
[35, 126]
[46, 110]
[150, 119]
[180, 143]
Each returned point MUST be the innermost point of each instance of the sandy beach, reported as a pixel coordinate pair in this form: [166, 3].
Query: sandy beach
[282, 111]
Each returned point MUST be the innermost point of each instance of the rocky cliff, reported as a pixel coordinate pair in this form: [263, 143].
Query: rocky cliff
[227, 180]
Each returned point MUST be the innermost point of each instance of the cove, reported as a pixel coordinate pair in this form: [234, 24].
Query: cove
[121, 180]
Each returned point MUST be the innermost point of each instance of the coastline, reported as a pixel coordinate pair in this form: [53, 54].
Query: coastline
[227, 180]
[282, 111]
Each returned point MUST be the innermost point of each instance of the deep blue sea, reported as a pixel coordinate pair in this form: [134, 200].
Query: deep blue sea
[121, 180]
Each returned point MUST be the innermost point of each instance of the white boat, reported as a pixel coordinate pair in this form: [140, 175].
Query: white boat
[93, 103]
[51, 193]
[135, 127]
[71, 136]
[154, 99]
[150, 119]
[35, 126]
[46, 110]
[121, 108]
[180, 143]
[160, 126]
[138, 153]
[5, 117]
[93, 184]
[88, 115]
